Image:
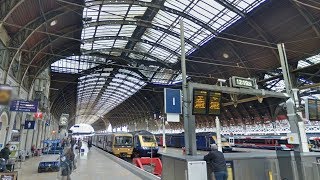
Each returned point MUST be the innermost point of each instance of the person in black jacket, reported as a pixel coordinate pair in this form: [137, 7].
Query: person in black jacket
[217, 163]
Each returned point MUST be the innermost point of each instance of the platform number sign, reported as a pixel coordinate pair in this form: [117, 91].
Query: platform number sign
[172, 101]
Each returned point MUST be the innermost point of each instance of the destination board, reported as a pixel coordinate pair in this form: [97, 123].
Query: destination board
[214, 103]
[199, 106]
[312, 107]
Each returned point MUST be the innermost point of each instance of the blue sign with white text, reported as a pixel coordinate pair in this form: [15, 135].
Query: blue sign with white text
[24, 106]
[172, 101]
[29, 124]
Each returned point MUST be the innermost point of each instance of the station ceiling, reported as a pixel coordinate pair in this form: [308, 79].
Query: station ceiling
[113, 51]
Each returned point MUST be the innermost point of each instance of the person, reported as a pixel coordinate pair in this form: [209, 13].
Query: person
[79, 145]
[33, 149]
[5, 152]
[65, 168]
[217, 163]
[70, 157]
[89, 143]
[3, 166]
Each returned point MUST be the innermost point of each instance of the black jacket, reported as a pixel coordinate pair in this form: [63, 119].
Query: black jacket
[5, 153]
[216, 161]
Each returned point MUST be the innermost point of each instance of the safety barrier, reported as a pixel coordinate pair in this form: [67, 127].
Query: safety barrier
[156, 162]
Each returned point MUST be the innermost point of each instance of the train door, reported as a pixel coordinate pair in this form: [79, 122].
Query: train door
[231, 141]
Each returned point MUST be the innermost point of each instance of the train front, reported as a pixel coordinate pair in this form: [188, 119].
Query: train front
[149, 146]
[226, 147]
[123, 145]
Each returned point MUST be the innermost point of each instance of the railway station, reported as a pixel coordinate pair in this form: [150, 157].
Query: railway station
[160, 89]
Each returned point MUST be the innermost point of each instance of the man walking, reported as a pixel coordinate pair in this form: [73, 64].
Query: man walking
[217, 163]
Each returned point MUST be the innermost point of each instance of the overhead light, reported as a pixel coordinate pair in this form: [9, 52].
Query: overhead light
[54, 22]
[222, 80]
[225, 55]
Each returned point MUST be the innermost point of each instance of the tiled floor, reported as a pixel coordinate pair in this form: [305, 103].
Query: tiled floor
[94, 166]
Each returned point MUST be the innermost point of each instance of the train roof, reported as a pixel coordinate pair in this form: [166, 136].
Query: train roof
[141, 132]
[260, 137]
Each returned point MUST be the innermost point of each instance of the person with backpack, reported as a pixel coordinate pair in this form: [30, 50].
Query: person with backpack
[217, 163]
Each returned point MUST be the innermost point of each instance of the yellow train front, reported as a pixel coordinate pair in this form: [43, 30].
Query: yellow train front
[119, 144]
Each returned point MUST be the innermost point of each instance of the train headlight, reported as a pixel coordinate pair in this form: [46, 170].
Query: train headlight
[145, 148]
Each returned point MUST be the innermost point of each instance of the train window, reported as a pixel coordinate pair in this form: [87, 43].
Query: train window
[148, 139]
[123, 140]
[224, 139]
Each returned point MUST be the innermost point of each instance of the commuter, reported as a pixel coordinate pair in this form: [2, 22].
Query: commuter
[3, 166]
[65, 168]
[79, 145]
[70, 157]
[73, 148]
[5, 152]
[217, 163]
[89, 143]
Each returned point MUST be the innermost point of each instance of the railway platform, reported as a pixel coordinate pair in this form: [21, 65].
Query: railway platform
[96, 165]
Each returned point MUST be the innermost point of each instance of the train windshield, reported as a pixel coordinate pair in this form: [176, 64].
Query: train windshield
[123, 140]
[224, 139]
[148, 139]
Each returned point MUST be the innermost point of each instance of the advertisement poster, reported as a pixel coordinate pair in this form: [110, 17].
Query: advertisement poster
[14, 147]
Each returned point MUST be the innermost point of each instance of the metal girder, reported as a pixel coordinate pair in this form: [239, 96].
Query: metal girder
[133, 40]
[250, 22]
[127, 59]
[89, 71]
[128, 50]
[111, 76]
[7, 7]
[139, 23]
[149, 15]
[40, 46]
[21, 37]
[308, 17]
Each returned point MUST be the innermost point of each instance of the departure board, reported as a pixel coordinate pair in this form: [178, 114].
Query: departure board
[214, 103]
[313, 109]
[199, 106]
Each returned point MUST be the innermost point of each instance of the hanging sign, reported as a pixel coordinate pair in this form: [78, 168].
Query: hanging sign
[312, 109]
[29, 125]
[214, 103]
[5, 94]
[24, 106]
[206, 103]
[242, 82]
[199, 106]
[38, 115]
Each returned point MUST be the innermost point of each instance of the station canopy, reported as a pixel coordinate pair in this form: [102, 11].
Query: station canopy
[127, 44]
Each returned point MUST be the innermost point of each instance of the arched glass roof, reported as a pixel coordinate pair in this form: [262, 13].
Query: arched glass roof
[99, 93]
[126, 44]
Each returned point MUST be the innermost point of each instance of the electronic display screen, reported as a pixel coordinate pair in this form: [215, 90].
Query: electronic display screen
[214, 103]
[199, 106]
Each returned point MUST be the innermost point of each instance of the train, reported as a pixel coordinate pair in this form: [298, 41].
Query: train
[144, 144]
[119, 144]
[262, 142]
[128, 145]
[203, 141]
[272, 142]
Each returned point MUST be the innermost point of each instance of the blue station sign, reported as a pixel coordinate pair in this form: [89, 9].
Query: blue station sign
[24, 106]
[172, 101]
[29, 124]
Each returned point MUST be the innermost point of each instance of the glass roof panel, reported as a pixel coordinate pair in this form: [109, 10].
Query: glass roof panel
[101, 92]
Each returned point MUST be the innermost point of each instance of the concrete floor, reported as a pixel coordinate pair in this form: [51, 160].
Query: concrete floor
[94, 166]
